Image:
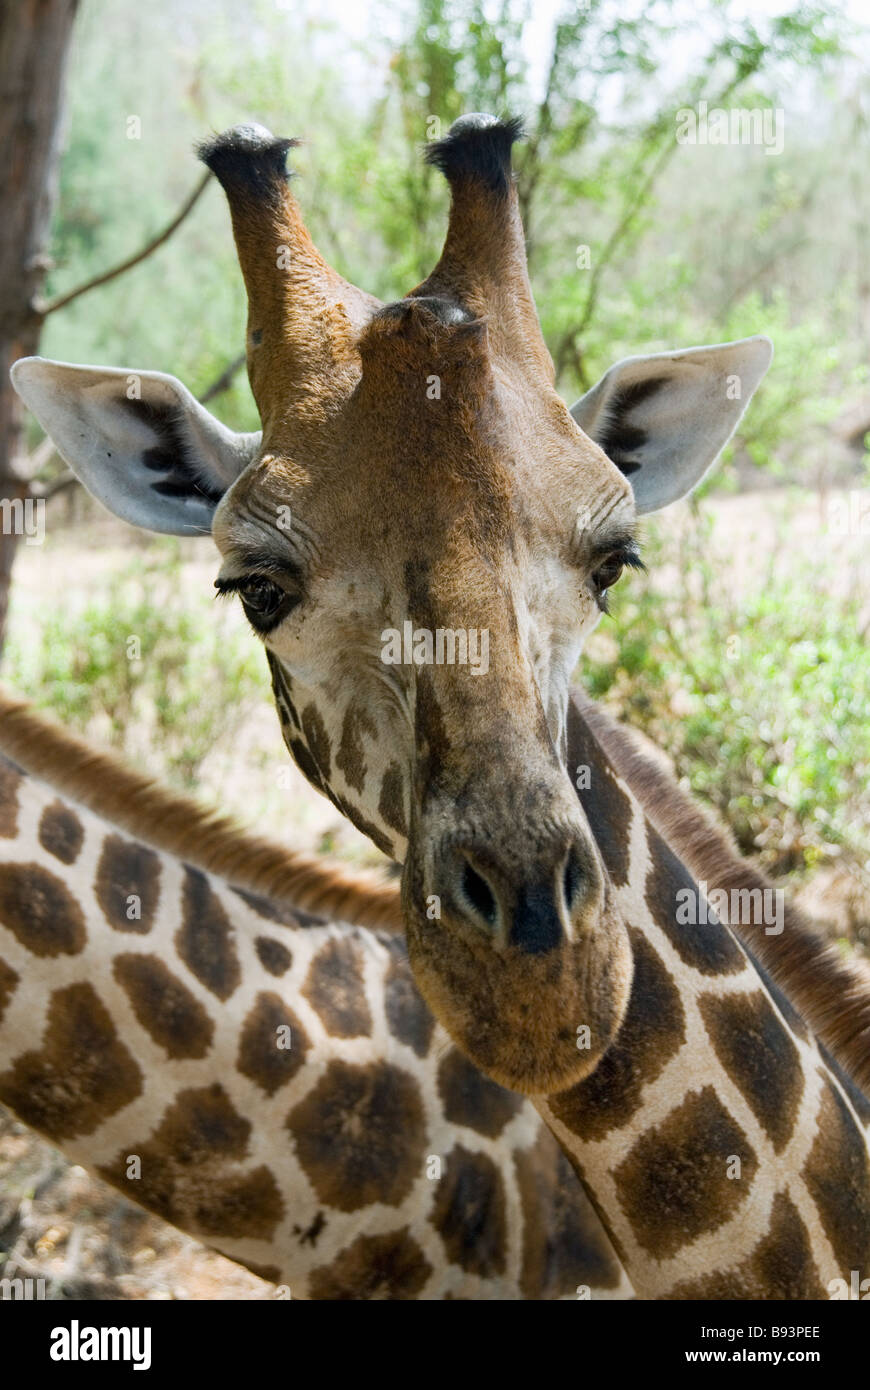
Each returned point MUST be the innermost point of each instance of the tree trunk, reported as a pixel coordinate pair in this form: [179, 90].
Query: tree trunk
[34, 39]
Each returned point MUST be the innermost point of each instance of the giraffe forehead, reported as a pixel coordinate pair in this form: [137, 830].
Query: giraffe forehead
[410, 469]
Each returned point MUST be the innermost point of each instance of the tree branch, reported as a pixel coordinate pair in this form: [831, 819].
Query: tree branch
[62, 300]
[224, 381]
[60, 484]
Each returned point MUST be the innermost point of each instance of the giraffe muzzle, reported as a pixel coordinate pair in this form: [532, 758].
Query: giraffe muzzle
[533, 905]
[516, 943]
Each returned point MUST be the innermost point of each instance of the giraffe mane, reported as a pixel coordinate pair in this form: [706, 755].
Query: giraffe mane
[831, 993]
[171, 821]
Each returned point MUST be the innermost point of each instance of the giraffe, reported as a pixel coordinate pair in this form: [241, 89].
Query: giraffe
[422, 535]
[715, 1134]
[418, 480]
[726, 1149]
[141, 1001]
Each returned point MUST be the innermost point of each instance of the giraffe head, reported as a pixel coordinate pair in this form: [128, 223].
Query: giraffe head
[423, 535]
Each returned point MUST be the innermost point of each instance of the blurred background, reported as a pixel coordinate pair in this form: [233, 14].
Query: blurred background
[743, 653]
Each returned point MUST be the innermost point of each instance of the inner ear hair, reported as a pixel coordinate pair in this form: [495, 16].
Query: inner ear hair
[615, 434]
[175, 455]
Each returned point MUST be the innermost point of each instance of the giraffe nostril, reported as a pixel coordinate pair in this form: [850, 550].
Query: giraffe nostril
[479, 894]
[572, 878]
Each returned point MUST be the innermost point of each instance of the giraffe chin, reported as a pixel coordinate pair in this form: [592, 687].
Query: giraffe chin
[536, 1024]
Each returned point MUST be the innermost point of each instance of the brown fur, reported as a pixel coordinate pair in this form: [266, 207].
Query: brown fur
[177, 823]
[831, 993]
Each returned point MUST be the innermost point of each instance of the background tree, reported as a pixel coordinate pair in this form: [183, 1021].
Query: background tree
[34, 40]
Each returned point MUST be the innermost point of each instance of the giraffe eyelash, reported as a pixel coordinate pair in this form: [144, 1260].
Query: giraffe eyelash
[626, 556]
[263, 618]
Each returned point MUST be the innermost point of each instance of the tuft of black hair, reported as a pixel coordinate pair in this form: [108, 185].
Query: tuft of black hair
[172, 457]
[479, 147]
[618, 437]
[248, 158]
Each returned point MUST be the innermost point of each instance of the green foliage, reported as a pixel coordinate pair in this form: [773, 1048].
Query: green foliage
[139, 669]
[686, 245]
[758, 696]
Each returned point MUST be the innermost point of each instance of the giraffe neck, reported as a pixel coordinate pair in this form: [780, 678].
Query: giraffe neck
[726, 1153]
[167, 820]
[143, 1008]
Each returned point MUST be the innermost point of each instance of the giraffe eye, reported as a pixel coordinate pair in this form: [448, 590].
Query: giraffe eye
[609, 571]
[265, 602]
[261, 596]
[607, 574]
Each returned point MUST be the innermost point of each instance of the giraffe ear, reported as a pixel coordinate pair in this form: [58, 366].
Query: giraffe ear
[664, 419]
[139, 441]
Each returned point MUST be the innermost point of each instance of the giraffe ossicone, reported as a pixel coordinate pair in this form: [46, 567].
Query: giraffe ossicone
[433, 475]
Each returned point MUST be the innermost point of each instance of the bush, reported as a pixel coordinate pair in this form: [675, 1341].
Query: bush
[759, 696]
[159, 675]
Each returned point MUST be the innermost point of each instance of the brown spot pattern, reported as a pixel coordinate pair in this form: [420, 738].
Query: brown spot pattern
[355, 815]
[10, 781]
[408, 1018]
[563, 1241]
[283, 913]
[205, 938]
[350, 758]
[673, 1185]
[335, 989]
[780, 1266]
[708, 948]
[471, 1099]
[360, 1135]
[273, 955]
[652, 1031]
[40, 911]
[271, 1273]
[794, 1021]
[317, 739]
[761, 1059]
[8, 981]
[837, 1175]
[391, 806]
[166, 1009]
[127, 869]
[306, 763]
[390, 1266]
[181, 1176]
[82, 1074]
[260, 1057]
[203, 1122]
[61, 832]
[606, 805]
[469, 1212]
